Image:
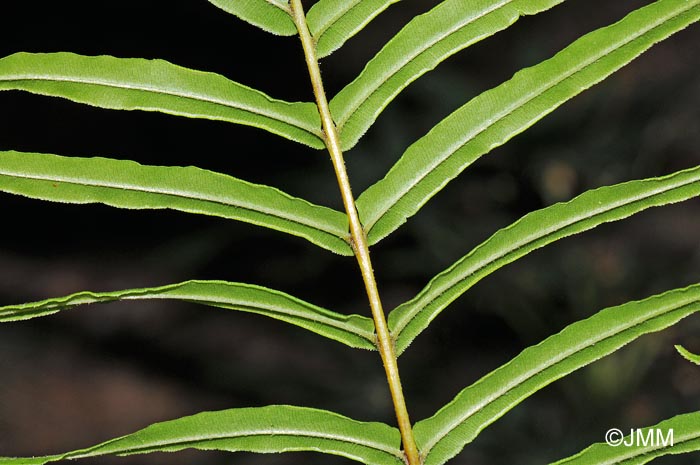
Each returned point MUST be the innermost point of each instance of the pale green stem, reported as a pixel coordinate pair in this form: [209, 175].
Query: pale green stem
[358, 238]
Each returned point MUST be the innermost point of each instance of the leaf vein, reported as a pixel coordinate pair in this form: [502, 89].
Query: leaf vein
[156, 445]
[316, 318]
[186, 195]
[348, 6]
[185, 95]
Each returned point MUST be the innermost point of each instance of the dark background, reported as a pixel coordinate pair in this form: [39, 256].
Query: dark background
[90, 374]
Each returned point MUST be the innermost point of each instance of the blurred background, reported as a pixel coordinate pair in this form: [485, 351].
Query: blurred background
[93, 373]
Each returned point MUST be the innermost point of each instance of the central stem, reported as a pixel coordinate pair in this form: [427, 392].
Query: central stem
[358, 238]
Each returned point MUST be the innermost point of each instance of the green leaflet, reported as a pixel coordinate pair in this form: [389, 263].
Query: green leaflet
[531, 232]
[686, 438]
[270, 15]
[443, 435]
[276, 428]
[691, 357]
[495, 116]
[127, 184]
[353, 330]
[332, 22]
[424, 43]
[156, 85]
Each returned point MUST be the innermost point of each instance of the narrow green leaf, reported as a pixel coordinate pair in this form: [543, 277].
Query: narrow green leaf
[270, 15]
[644, 445]
[276, 428]
[531, 232]
[156, 85]
[127, 184]
[419, 47]
[332, 22]
[353, 330]
[443, 435]
[497, 115]
[691, 357]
